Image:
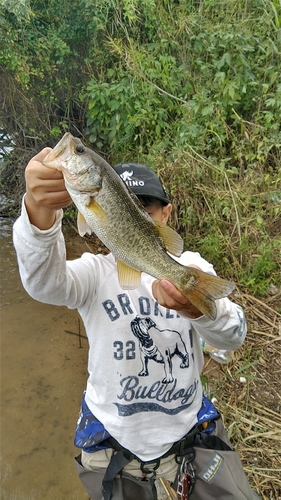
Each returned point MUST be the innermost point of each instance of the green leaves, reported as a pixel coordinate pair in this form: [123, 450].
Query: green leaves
[19, 8]
[204, 86]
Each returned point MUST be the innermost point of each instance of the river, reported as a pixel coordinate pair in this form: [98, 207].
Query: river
[43, 375]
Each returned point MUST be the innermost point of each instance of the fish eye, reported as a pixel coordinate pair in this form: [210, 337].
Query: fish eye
[80, 148]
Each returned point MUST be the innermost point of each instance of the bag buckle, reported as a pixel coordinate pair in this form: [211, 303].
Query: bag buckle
[149, 467]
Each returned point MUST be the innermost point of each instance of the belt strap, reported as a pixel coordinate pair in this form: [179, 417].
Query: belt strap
[116, 464]
[182, 447]
[212, 442]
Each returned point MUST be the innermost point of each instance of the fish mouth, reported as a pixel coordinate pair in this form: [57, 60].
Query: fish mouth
[61, 152]
[76, 173]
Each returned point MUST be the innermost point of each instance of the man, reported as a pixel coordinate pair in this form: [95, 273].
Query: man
[143, 414]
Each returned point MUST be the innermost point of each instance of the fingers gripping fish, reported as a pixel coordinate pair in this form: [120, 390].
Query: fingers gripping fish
[107, 207]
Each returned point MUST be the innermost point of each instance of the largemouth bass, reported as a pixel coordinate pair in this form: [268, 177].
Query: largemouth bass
[107, 207]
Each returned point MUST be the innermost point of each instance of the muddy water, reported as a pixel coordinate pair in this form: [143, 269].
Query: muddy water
[43, 374]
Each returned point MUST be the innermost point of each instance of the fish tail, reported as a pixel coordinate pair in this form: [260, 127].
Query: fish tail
[202, 289]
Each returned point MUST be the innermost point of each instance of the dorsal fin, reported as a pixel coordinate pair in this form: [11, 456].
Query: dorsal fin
[172, 240]
[129, 278]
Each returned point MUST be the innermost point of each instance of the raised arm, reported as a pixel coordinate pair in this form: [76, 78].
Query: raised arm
[39, 242]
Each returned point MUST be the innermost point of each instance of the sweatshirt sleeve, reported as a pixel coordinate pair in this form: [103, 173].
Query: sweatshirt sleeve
[229, 329]
[45, 273]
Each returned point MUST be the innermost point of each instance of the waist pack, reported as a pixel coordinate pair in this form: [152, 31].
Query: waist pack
[92, 436]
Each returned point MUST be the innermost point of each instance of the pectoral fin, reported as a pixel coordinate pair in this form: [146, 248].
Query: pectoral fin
[172, 240]
[129, 278]
[97, 210]
[82, 225]
[99, 213]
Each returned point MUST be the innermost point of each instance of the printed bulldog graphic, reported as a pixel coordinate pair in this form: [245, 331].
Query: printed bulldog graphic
[149, 350]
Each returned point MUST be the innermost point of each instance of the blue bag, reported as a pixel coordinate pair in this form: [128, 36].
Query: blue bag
[90, 432]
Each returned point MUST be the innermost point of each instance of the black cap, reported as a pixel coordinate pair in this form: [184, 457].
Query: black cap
[141, 180]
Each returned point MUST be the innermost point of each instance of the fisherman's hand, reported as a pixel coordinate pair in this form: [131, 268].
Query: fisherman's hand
[169, 296]
[45, 192]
